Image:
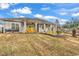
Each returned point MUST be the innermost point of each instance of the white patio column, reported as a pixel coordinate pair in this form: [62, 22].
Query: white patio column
[24, 27]
[44, 27]
[20, 28]
[39, 28]
[36, 27]
[51, 26]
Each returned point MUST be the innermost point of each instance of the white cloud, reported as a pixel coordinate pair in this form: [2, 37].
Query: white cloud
[18, 16]
[75, 14]
[45, 8]
[61, 21]
[21, 16]
[63, 13]
[4, 5]
[75, 9]
[44, 17]
[50, 17]
[68, 10]
[38, 16]
[24, 10]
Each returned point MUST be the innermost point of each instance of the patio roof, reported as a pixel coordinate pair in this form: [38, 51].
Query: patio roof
[41, 21]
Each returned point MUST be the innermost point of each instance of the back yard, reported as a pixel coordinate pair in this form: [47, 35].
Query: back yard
[37, 44]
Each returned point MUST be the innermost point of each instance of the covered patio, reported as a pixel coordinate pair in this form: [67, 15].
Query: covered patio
[27, 26]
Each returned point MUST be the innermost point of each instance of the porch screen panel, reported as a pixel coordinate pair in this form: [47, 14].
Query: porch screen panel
[13, 26]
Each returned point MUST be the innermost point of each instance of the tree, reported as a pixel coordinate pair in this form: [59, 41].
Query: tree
[74, 32]
[57, 26]
[74, 28]
[73, 25]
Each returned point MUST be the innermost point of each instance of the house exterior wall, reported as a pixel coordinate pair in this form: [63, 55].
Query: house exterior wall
[41, 28]
[8, 25]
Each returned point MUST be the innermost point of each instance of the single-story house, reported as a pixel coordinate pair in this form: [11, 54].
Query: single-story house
[27, 25]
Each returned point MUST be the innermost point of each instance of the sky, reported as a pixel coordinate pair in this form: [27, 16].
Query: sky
[47, 11]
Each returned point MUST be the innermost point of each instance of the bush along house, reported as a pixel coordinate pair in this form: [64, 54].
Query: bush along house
[27, 25]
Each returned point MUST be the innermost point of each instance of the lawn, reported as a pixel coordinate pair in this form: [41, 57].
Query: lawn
[37, 45]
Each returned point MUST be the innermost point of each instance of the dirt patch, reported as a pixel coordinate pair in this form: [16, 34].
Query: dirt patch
[37, 44]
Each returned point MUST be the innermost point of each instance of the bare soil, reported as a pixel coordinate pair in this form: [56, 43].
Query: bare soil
[38, 45]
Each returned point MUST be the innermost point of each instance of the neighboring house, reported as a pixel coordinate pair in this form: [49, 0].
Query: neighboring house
[27, 25]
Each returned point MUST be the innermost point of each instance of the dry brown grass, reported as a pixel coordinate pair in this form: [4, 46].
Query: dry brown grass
[36, 44]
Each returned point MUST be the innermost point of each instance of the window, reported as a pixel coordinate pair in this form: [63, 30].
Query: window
[15, 26]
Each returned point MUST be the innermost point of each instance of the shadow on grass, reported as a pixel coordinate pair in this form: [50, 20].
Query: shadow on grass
[58, 36]
[61, 36]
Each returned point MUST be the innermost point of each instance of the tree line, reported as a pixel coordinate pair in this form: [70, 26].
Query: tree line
[72, 25]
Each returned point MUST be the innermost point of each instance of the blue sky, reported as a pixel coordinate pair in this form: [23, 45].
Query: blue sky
[50, 11]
